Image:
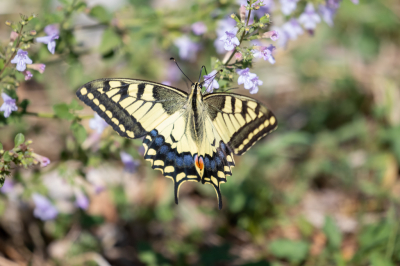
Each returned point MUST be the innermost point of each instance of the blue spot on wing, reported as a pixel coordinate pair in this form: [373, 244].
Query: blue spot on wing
[207, 162]
[212, 165]
[170, 156]
[164, 149]
[218, 160]
[153, 133]
[179, 161]
[159, 141]
[188, 160]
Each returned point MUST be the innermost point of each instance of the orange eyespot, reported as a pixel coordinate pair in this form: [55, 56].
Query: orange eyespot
[199, 162]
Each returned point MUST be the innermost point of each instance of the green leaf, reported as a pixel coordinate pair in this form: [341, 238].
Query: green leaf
[1, 146]
[379, 260]
[79, 132]
[74, 105]
[100, 13]
[6, 157]
[332, 232]
[110, 41]
[294, 251]
[19, 139]
[62, 111]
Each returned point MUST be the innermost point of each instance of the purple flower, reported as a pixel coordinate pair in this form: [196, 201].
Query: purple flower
[219, 46]
[97, 123]
[283, 37]
[8, 106]
[273, 35]
[309, 18]
[288, 6]
[128, 161]
[51, 29]
[209, 82]
[38, 67]
[224, 25]
[21, 59]
[52, 35]
[187, 48]
[230, 40]
[28, 74]
[292, 28]
[245, 77]
[327, 14]
[44, 161]
[166, 82]
[199, 28]
[355, 2]
[44, 209]
[265, 53]
[7, 186]
[81, 200]
[256, 83]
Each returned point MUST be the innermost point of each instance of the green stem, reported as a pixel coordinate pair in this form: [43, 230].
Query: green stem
[13, 54]
[241, 38]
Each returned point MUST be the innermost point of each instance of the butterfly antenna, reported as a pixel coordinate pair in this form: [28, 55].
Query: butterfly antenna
[180, 69]
[201, 71]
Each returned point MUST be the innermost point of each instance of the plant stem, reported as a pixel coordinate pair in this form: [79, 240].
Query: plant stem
[13, 54]
[241, 38]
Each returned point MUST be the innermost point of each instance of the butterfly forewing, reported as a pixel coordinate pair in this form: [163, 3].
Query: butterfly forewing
[241, 121]
[132, 107]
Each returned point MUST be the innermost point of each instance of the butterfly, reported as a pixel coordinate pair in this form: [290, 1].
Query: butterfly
[188, 137]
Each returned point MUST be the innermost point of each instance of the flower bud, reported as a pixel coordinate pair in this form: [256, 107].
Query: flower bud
[8, 23]
[32, 32]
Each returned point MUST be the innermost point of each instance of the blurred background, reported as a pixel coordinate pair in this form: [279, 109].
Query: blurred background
[323, 189]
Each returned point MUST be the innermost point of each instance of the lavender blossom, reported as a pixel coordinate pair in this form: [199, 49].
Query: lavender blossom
[187, 48]
[166, 82]
[288, 6]
[44, 209]
[8, 106]
[28, 75]
[81, 200]
[327, 14]
[223, 26]
[44, 161]
[97, 123]
[273, 35]
[256, 83]
[209, 82]
[199, 28]
[52, 35]
[265, 53]
[245, 77]
[309, 18]
[38, 67]
[292, 28]
[21, 59]
[7, 187]
[128, 161]
[230, 40]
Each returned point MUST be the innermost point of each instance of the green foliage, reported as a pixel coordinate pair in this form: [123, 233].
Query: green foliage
[293, 251]
[332, 233]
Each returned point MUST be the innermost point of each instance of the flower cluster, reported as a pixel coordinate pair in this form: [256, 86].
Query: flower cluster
[235, 31]
[19, 57]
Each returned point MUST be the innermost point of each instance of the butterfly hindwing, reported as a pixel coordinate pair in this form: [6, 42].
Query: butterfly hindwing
[240, 120]
[132, 107]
